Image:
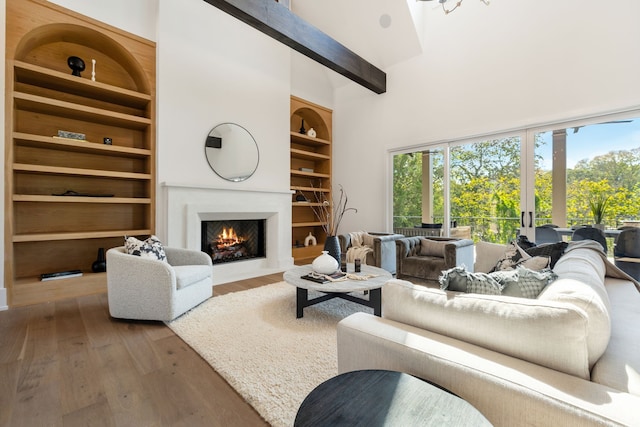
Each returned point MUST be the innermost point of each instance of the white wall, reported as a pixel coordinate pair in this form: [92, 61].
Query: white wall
[137, 17]
[211, 69]
[485, 69]
[214, 69]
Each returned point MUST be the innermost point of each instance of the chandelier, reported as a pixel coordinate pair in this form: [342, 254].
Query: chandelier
[458, 4]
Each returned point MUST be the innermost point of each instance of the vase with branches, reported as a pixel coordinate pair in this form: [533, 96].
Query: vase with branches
[330, 212]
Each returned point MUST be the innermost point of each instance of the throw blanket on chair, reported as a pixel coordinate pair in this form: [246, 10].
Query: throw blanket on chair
[358, 249]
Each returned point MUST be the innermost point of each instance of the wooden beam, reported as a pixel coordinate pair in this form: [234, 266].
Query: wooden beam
[279, 22]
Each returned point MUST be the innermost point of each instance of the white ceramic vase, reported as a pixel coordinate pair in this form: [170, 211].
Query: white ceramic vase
[325, 264]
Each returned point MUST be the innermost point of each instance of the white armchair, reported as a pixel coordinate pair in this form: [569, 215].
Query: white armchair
[146, 289]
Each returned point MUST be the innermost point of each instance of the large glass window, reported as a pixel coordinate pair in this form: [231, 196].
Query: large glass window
[584, 166]
[495, 188]
[485, 189]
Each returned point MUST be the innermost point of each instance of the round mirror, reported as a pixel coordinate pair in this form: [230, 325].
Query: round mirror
[231, 152]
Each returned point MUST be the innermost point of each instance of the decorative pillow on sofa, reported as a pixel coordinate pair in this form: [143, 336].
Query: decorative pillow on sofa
[526, 283]
[487, 255]
[150, 248]
[552, 250]
[514, 255]
[460, 280]
[520, 282]
[430, 247]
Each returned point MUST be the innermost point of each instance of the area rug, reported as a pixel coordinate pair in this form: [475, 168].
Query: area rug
[253, 339]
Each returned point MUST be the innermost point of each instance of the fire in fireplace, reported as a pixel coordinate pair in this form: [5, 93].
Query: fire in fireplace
[233, 240]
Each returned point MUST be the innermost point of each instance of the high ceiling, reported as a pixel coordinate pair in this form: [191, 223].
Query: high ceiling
[381, 31]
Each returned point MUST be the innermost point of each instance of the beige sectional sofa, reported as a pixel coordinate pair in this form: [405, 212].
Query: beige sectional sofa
[570, 357]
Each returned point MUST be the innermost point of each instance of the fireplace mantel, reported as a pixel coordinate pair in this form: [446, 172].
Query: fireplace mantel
[185, 206]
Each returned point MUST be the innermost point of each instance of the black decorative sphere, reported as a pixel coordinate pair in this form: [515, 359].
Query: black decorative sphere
[76, 64]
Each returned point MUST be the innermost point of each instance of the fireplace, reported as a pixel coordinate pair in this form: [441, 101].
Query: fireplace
[233, 240]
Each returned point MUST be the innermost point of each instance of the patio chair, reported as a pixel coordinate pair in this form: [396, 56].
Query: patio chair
[590, 233]
[546, 234]
[626, 252]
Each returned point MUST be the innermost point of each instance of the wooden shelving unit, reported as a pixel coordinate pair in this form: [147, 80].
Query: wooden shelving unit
[113, 185]
[309, 153]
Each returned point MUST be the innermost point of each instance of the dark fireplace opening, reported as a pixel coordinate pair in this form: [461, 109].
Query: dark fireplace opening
[233, 240]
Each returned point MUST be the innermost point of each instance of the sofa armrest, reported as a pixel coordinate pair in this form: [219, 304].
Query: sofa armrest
[459, 252]
[384, 250]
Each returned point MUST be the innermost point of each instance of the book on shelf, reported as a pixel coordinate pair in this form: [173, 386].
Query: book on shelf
[60, 275]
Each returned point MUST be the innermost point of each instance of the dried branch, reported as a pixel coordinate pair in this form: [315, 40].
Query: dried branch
[330, 214]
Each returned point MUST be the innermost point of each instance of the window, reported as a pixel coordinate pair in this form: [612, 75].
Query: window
[493, 188]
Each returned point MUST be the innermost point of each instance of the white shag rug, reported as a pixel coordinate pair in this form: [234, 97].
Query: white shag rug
[253, 339]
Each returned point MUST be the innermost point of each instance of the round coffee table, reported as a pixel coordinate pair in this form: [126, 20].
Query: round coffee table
[341, 289]
[384, 398]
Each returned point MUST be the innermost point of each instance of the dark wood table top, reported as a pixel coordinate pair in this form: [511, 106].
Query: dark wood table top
[384, 398]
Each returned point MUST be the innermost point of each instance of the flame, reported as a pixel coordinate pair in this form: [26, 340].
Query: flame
[228, 237]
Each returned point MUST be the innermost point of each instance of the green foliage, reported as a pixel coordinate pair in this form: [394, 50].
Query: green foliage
[485, 188]
[407, 189]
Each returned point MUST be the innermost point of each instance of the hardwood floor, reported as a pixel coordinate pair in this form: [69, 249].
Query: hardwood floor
[68, 363]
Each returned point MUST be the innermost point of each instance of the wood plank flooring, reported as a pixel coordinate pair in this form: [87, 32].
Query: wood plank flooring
[68, 363]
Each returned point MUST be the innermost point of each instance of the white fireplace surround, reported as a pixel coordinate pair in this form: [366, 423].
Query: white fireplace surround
[186, 206]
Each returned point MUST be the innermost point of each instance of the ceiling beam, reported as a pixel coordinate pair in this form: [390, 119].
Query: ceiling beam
[279, 22]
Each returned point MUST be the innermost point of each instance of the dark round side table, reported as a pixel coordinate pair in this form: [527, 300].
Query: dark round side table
[384, 398]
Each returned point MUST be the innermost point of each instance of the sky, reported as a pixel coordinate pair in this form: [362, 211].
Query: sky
[594, 140]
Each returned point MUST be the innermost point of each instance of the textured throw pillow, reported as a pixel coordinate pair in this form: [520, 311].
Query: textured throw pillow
[527, 283]
[458, 279]
[536, 263]
[511, 257]
[430, 247]
[514, 256]
[552, 250]
[150, 248]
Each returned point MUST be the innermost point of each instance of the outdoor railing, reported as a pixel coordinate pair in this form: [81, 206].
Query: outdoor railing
[495, 229]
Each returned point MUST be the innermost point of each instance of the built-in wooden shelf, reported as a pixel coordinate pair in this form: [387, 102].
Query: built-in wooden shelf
[46, 233]
[44, 105]
[40, 76]
[53, 143]
[45, 237]
[309, 153]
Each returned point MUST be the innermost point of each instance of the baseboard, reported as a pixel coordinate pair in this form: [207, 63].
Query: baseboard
[3, 299]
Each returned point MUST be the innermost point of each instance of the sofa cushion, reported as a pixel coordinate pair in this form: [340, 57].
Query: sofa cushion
[521, 282]
[187, 275]
[416, 266]
[460, 280]
[526, 283]
[487, 255]
[552, 250]
[549, 333]
[581, 283]
[430, 247]
[619, 365]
